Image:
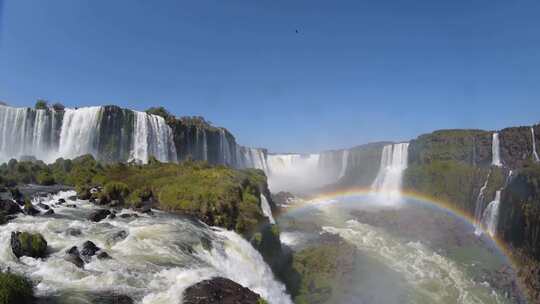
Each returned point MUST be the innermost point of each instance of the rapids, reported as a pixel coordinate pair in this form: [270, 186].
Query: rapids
[154, 258]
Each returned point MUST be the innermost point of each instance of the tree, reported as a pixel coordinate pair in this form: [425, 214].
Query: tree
[58, 107]
[41, 104]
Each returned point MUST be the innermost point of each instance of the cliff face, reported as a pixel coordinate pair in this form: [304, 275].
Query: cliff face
[363, 165]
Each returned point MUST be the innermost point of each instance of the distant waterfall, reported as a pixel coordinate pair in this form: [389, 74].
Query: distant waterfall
[225, 148]
[79, 133]
[344, 161]
[292, 172]
[387, 184]
[26, 131]
[490, 216]
[152, 137]
[535, 154]
[495, 151]
[479, 207]
[251, 158]
[267, 211]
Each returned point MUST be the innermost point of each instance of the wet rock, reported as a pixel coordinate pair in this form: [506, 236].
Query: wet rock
[112, 216]
[61, 201]
[71, 206]
[118, 236]
[28, 244]
[29, 209]
[43, 206]
[103, 255]
[49, 212]
[9, 207]
[71, 198]
[73, 256]
[89, 249]
[220, 290]
[99, 215]
[73, 231]
[129, 215]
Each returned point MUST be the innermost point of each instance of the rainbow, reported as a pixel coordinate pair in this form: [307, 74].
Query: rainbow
[420, 197]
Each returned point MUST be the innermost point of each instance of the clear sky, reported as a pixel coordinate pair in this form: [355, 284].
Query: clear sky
[356, 71]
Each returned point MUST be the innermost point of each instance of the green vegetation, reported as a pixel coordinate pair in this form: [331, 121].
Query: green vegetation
[15, 289]
[217, 195]
[41, 104]
[31, 244]
[319, 272]
[160, 111]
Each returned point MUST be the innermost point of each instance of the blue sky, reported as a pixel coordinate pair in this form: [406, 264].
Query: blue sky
[357, 71]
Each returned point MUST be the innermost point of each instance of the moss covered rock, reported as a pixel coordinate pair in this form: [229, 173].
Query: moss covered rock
[28, 244]
[15, 289]
[220, 290]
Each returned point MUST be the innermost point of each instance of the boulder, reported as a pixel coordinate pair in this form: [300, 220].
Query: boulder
[99, 215]
[73, 231]
[28, 244]
[9, 207]
[103, 255]
[89, 249]
[43, 206]
[49, 212]
[29, 209]
[73, 256]
[220, 290]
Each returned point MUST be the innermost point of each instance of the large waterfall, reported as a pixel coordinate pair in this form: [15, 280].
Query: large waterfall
[267, 210]
[479, 207]
[387, 184]
[490, 216]
[152, 137]
[535, 154]
[496, 150]
[48, 134]
[344, 162]
[294, 172]
[251, 158]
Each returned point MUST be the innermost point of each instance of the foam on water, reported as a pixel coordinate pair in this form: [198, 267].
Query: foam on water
[160, 257]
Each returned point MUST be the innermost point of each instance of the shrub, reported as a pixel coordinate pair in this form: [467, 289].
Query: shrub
[45, 178]
[15, 289]
[41, 104]
[116, 190]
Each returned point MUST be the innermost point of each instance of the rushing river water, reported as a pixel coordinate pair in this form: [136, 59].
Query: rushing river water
[409, 253]
[154, 258]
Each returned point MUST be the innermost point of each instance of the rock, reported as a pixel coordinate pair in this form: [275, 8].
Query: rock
[129, 215]
[43, 206]
[28, 244]
[71, 198]
[118, 236]
[89, 249]
[9, 207]
[61, 201]
[73, 256]
[49, 212]
[73, 231]
[112, 216]
[103, 255]
[99, 215]
[220, 290]
[29, 209]
[71, 206]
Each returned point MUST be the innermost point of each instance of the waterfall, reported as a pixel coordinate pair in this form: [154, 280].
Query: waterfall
[267, 211]
[479, 207]
[152, 137]
[344, 161]
[205, 146]
[251, 158]
[26, 131]
[154, 258]
[490, 216]
[80, 132]
[295, 172]
[535, 154]
[225, 148]
[495, 151]
[387, 184]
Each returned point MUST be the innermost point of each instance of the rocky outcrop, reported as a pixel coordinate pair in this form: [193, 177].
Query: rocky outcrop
[99, 215]
[9, 207]
[28, 244]
[220, 290]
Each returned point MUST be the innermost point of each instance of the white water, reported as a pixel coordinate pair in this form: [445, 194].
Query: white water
[152, 137]
[435, 278]
[267, 210]
[292, 172]
[24, 131]
[535, 154]
[225, 148]
[479, 207]
[495, 151]
[251, 158]
[79, 134]
[387, 184]
[161, 256]
[490, 217]
[344, 161]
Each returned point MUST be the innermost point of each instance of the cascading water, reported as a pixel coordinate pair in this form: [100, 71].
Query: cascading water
[495, 151]
[153, 258]
[387, 184]
[267, 211]
[491, 215]
[251, 158]
[294, 172]
[80, 132]
[535, 154]
[27, 131]
[225, 148]
[479, 207]
[152, 137]
[344, 161]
